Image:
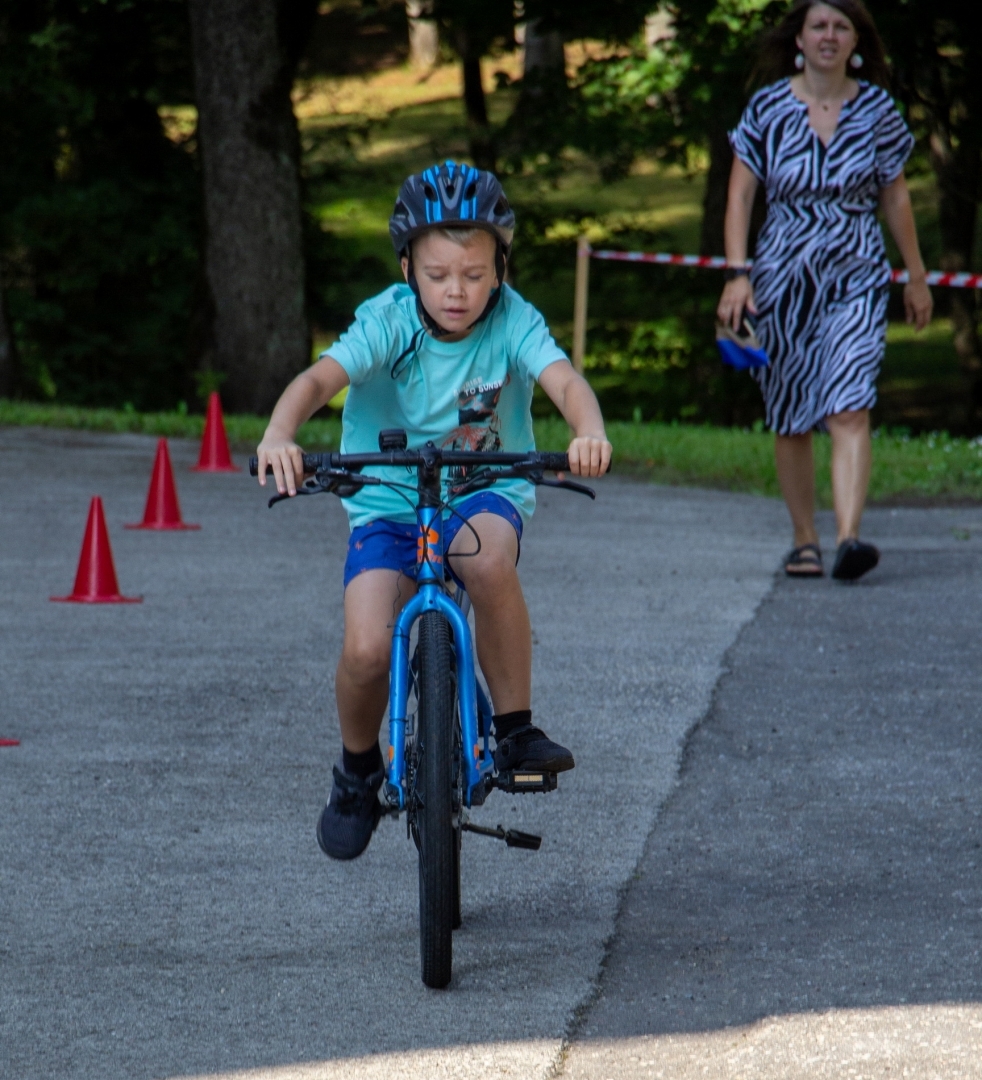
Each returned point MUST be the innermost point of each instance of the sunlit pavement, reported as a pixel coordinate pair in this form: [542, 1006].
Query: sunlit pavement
[166, 912]
[810, 902]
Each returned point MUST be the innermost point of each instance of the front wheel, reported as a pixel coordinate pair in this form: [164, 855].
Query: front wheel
[439, 852]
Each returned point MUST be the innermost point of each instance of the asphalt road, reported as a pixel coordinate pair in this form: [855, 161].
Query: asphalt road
[164, 908]
[809, 904]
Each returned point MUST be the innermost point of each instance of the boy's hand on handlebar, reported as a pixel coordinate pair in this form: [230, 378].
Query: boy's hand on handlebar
[286, 460]
[589, 455]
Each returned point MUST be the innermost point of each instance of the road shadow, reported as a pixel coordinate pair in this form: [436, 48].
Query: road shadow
[823, 848]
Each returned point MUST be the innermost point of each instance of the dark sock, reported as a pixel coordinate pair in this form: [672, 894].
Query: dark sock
[362, 765]
[505, 723]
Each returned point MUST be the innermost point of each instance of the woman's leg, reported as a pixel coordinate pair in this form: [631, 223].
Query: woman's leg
[796, 476]
[852, 455]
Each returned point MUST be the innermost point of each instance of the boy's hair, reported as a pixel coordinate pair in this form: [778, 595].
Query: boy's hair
[456, 234]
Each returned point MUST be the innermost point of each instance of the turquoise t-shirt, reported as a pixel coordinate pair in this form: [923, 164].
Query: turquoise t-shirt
[474, 394]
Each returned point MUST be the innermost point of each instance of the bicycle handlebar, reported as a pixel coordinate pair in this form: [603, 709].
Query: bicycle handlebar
[535, 460]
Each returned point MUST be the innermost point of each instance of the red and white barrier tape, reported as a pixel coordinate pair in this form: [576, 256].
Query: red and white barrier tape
[716, 262]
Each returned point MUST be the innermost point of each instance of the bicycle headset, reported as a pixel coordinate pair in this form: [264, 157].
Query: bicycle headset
[443, 196]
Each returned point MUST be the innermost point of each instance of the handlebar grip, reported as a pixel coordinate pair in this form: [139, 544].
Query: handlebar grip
[554, 462]
[311, 463]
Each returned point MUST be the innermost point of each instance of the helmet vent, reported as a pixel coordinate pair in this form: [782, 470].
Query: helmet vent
[471, 190]
[450, 190]
[501, 206]
[429, 192]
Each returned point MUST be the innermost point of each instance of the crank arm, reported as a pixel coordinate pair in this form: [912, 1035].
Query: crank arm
[512, 837]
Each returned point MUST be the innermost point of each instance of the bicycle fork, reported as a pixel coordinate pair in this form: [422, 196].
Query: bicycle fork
[477, 759]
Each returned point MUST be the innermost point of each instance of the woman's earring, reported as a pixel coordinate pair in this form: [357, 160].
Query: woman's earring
[856, 60]
[799, 61]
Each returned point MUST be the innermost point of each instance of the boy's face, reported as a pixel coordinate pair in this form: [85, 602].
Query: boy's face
[455, 280]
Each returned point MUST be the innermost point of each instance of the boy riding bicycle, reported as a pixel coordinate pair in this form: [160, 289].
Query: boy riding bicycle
[451, 358]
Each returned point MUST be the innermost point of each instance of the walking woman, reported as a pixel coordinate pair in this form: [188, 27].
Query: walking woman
[829, 146]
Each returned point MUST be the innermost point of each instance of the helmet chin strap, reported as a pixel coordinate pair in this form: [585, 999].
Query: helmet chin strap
[427, 319]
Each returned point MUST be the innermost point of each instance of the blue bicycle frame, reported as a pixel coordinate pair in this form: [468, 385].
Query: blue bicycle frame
[473, 703]
[333, 472]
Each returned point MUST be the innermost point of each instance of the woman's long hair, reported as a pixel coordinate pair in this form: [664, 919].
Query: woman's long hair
[778, 49]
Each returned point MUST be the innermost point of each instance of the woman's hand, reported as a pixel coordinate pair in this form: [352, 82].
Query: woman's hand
[737, 295]
[918, 303]
[286, 459]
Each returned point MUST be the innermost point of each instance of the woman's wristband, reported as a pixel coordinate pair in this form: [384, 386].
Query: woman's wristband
[731, 273]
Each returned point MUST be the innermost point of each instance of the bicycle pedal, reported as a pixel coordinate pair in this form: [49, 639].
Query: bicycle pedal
[528, 841]
[521, 781]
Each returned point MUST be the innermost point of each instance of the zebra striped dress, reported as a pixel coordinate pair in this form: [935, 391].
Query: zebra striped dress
[820, 273]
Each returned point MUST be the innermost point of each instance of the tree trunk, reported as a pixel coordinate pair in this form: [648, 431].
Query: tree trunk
[545, 56]
[424, 34]
[959, 173]
[8, 355]
[538, 123]
[714, 197]
[245, 55]
[481, 143]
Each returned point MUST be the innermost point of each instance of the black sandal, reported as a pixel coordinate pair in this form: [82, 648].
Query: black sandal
[853, 559]
[804, 561]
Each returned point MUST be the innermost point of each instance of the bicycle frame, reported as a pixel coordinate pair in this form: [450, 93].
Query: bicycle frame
[431, 596]
[332, 472]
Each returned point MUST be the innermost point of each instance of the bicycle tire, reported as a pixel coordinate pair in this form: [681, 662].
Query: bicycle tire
[455, 913]
[434, 812]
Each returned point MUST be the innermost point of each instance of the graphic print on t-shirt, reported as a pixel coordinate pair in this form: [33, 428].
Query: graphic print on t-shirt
[478, 425]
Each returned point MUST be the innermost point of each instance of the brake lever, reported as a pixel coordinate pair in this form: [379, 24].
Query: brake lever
[286, 495]
[483, 480]
[329, 482]
[570, 485]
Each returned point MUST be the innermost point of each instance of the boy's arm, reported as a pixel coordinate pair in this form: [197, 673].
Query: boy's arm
[589, 452]
[310, 390]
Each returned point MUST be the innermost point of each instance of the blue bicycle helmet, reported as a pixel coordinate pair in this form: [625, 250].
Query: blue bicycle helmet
[441, 197]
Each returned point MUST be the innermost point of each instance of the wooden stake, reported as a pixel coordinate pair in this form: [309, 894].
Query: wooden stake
[580, 301]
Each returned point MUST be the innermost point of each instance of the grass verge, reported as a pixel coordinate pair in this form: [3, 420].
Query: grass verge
[905, 468]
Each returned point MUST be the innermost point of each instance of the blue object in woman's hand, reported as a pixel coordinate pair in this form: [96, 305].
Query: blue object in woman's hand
[741, 350]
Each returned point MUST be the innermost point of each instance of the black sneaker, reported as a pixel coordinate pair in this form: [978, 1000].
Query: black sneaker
[528, 747]
[349, 819]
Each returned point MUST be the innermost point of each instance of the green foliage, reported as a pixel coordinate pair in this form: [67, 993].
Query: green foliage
[905, 467]
[626, 106]
[99, 217]
[663, 367]
[666, 100]
[244, 431]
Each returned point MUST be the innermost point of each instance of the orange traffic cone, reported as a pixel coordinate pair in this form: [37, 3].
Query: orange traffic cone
[214, 456]
[95, 582]
[163, 511]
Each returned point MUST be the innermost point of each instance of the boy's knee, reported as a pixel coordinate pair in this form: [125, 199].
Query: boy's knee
[494, 565]
[489, 572]
[365, 657]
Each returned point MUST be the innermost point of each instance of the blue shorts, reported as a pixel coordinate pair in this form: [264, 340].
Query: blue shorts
[391, 545]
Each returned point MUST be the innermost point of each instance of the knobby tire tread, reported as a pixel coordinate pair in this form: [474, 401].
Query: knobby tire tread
[435, 815]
